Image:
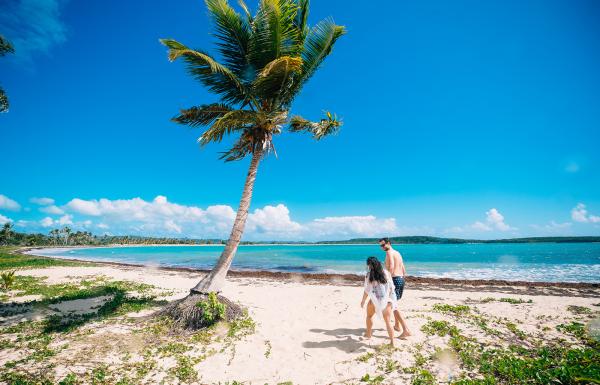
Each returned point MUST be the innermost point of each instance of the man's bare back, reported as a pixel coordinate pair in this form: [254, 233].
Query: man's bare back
[394, 263]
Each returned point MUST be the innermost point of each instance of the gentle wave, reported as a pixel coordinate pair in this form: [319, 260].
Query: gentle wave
[512, 262]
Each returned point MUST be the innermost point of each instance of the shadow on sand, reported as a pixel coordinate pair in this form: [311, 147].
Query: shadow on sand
[347, 340]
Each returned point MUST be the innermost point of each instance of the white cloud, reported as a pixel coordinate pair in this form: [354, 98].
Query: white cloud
[8, 204]
[84, 207]
[496, 220]
[273, 220]
[55, 210]
[493, 221]
[553, 228]
[65, 220]
[4, 219]
[32, 26]
[580, 214]
[47, 222]
[352, 226]
[161, 217]
[62, 221]
[42, 201]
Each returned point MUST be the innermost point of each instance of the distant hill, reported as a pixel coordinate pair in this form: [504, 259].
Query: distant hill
[438, 240]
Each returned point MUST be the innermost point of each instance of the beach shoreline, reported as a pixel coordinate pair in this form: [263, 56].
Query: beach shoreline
[346, 279]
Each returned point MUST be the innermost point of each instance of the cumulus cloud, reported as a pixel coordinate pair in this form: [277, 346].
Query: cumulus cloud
[160, 217]
[273, 220]
[352, 226]
[62, 221]
[580, 214]
[4, 219]
[55, 210]
[553, 228]
[42, 201]
[8, 204]
[33, 26]
[493, 221]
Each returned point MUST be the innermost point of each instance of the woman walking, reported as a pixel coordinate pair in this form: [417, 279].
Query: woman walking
[379, 288]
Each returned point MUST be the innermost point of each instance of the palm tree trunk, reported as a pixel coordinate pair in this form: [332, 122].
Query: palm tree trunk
[213, 282]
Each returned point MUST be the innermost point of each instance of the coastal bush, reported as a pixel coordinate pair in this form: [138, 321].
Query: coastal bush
[440, 328]
[452, 309]
[8, 279]
[423, 377]
[212, 309]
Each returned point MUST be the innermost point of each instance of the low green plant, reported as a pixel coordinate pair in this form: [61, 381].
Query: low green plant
[184, 370]
[372, 380]
[423, 377]
[212, 310]
[579, 310]
[451, 309]
[515, 301]
[8, 279]
[440, 328]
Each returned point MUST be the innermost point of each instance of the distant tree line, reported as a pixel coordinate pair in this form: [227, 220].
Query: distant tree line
[65, 236]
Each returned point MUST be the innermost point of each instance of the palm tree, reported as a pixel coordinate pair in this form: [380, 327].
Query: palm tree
[6, 233]
[5, 48]
[66, 231]
[266, 60]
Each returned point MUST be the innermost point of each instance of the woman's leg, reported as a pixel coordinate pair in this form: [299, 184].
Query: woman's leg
[387, 315]
[370, 314]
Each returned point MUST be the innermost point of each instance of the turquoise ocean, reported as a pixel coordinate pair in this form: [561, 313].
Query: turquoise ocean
[546, 262]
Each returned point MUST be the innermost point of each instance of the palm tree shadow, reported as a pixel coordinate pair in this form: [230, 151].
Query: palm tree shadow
[347, 340]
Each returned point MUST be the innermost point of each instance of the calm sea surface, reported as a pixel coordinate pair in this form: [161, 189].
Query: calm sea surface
[553, 262]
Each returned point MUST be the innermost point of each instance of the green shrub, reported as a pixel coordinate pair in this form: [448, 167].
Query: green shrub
[8, 279]
[212, 309]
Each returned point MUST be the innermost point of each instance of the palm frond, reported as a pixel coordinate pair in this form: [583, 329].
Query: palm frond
[3, 101]
[274, 32]
[242, 147]
[203, 115]
[302, 20]
[274, 81]
[318, 45]
[217, 77]
[246, 10]
[233, 33]
[6, 46]
[229, 123]
[326, 126]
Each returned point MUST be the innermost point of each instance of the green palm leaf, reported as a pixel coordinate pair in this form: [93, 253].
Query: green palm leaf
[203, 115]
[274, 81]
[274, 33]
[229, 123]
[233, 35]
[217, 77]
[3, 101]
[326, 126]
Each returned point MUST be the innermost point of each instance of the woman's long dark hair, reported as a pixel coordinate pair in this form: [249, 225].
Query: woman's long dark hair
[375, 270]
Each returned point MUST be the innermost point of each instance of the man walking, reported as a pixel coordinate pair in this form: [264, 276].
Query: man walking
[395, 265]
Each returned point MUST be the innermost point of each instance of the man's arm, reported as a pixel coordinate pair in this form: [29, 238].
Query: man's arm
[402, 264]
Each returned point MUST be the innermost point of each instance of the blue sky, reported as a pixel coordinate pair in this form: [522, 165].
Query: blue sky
[463, 118]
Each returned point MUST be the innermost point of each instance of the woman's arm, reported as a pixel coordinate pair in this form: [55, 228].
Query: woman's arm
[364, 298]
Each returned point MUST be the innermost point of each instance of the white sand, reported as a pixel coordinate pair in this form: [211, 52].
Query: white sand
[311, 334]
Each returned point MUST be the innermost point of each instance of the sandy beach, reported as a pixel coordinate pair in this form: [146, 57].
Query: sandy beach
[303, 331]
